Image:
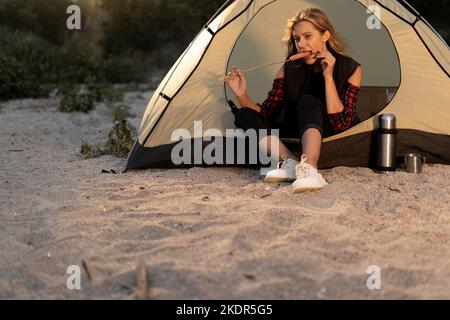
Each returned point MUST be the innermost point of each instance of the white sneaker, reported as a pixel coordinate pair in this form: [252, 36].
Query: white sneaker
[308, 178]
[285, 171]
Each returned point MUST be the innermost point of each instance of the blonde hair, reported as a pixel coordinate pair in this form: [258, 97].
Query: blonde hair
[322, 23]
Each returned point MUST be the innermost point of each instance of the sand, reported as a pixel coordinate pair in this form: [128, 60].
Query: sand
[205, 233]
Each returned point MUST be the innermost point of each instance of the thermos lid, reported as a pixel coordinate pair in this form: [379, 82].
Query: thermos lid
[387, 121]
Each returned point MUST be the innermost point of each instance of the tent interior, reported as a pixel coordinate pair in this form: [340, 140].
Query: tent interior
[367, 38]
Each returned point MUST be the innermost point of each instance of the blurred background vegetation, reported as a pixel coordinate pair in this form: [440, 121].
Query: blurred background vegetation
[121, 41]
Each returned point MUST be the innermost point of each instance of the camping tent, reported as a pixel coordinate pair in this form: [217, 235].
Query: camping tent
[406, 73]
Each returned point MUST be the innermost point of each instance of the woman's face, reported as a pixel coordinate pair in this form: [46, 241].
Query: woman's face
[308, 38]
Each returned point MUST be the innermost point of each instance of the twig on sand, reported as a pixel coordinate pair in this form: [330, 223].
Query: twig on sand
[394, 189]
[141, 287]
[265, 195]
[86, 269]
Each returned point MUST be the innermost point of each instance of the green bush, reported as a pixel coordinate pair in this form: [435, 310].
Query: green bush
[120, 112]
[119, 143]
[15, 81]
[36, 55]
[46, 18]
[45, 61]
[148, 25]
[99, 91]
[114, 94]
[120, 139]
[103, 92]
[87, 151]
[122, 69]
[73, 101]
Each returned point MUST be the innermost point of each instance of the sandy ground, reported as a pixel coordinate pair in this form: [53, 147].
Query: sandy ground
[205, 233]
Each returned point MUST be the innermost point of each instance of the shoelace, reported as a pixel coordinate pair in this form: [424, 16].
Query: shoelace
[302, 169]
[282, 162]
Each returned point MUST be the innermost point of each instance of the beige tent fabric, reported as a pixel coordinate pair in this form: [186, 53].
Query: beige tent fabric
[418, 102]
[435, 44]
[394, 6]
[184, 67]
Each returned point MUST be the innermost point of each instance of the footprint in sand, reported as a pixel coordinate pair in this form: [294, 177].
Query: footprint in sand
[154, 232]
[336, 208]
[37, 238]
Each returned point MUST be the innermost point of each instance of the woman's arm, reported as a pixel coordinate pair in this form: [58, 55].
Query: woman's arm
[246, 102]
[349, 96]
[272, 101]
[238, 85]
[280, 73]
[356, 78]
[334, 103]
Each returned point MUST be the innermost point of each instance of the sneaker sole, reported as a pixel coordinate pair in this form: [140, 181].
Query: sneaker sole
[275, 179]
[306, 189]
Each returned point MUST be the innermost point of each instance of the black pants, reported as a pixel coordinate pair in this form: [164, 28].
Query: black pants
[310, 112]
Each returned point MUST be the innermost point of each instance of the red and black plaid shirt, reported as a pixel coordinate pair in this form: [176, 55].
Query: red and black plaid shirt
[339, 121]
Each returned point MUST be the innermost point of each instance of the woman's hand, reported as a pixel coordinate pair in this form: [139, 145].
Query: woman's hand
[237, 83]
[327, 61]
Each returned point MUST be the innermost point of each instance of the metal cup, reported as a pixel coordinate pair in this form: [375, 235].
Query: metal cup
[414, 162]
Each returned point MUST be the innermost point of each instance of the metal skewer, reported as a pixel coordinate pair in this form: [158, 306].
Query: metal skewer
[265, 66]
[275, 63]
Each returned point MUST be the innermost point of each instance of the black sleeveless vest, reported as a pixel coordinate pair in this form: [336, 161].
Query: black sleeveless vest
[297, 75]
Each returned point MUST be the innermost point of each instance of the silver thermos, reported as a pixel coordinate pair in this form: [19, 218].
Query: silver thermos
[386, 143]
